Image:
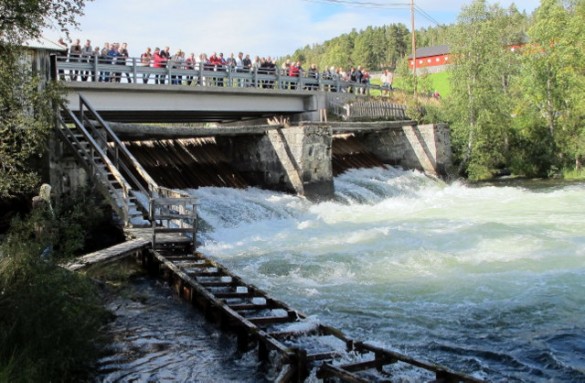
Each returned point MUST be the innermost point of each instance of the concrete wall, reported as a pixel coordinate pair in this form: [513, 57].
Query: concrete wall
[423, 147]
[298, 159]
[294, 159]
[65, 172]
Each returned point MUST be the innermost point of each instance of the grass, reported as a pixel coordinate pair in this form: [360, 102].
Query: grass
[574, 174]
[438, 81]
[441, 83]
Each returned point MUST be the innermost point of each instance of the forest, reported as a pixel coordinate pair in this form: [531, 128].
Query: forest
[518, 112]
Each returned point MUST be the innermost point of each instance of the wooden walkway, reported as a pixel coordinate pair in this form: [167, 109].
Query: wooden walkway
[132, 247]
[285, 338]
[273, 328]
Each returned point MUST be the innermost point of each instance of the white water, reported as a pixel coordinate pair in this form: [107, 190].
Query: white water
[484, 280]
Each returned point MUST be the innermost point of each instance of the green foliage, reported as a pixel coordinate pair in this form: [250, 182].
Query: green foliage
[553, 79]
[440, 82]
[574, 174]
[25, 124]
[373, 48]
[50, 318]
[480, 103]
[24, 19]
[26, 105]
[66, 227]
[532, 155]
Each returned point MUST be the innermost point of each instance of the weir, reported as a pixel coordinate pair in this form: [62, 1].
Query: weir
[140, 178]
[299, 159]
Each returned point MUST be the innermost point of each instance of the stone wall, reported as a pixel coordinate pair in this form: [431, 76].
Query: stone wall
[423, 147]
[294, 159]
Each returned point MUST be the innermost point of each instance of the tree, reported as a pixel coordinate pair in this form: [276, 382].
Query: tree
[553, 79]
[480, 107]
[26, 113]
[24, 19]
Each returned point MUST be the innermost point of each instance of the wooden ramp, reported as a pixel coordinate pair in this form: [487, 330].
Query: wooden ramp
[111, 254]
[283, 336]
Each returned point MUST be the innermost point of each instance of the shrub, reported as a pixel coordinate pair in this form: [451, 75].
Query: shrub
[50, 318]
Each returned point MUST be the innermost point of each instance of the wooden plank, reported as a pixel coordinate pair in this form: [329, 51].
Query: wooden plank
[438, 370]
[323, 356]
[166, 230]
[247, 306]
[217, 283]
[232, 294]
[367, 364]
[268, 320]
[110, 254]
[329, 371]
[204, 293]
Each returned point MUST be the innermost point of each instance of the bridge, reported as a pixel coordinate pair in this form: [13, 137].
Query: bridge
[133, 92]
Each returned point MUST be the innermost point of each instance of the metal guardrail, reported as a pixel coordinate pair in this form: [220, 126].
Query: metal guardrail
[131, 69]
[95, 139]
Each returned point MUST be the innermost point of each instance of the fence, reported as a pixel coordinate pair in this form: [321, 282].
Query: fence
[132, 70]
[366, 110]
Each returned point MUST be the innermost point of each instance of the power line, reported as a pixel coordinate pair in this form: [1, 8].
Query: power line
[424, 14]
[383, 5]
[367, 4]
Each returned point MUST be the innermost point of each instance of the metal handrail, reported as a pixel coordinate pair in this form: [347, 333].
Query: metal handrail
[218, 76]
[121, 155]
[178, 207]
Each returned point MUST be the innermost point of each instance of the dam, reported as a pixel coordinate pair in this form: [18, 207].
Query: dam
[141, 166]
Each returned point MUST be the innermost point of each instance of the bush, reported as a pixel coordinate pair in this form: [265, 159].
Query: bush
[50, 318]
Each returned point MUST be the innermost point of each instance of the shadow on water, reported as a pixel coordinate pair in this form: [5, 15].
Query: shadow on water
[157, 337]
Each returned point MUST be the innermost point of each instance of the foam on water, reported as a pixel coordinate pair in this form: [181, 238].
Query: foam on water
[472, 277]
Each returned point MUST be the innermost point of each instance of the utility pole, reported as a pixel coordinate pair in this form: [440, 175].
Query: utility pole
[413, 46]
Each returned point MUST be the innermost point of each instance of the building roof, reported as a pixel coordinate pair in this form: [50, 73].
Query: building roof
[431, 51]
[44, 43]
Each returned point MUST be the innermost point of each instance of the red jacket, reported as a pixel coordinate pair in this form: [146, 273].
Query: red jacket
[158, 60]
[293, 71]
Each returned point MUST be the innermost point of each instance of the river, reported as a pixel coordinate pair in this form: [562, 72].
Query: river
[488, 280]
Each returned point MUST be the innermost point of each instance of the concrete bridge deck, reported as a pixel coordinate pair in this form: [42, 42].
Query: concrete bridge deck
[170, 103]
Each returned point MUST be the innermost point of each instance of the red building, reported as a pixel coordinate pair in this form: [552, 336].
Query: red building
[432, 59]
[435, 59]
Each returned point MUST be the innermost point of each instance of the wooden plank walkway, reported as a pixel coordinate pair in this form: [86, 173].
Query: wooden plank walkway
[271, 326]
[259, 321]
[111, 254]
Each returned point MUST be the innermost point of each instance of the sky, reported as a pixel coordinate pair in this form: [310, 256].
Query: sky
[257, 27]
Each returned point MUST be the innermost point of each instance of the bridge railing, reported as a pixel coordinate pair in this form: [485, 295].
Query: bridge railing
[131, 69]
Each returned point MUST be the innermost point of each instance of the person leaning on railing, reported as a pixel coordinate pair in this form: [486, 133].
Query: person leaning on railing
[313, 73]
[158, 61]
[145, 59]
[190, 63]
[121, 60]
[74, 56]
[86, 55]
[105, 59]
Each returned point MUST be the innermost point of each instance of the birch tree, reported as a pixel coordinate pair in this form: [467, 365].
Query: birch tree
[480, 107]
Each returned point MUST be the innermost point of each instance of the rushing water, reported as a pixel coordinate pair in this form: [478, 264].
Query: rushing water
[485, 280]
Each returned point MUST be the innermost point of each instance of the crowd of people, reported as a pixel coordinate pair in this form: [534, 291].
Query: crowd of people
[116, 53]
